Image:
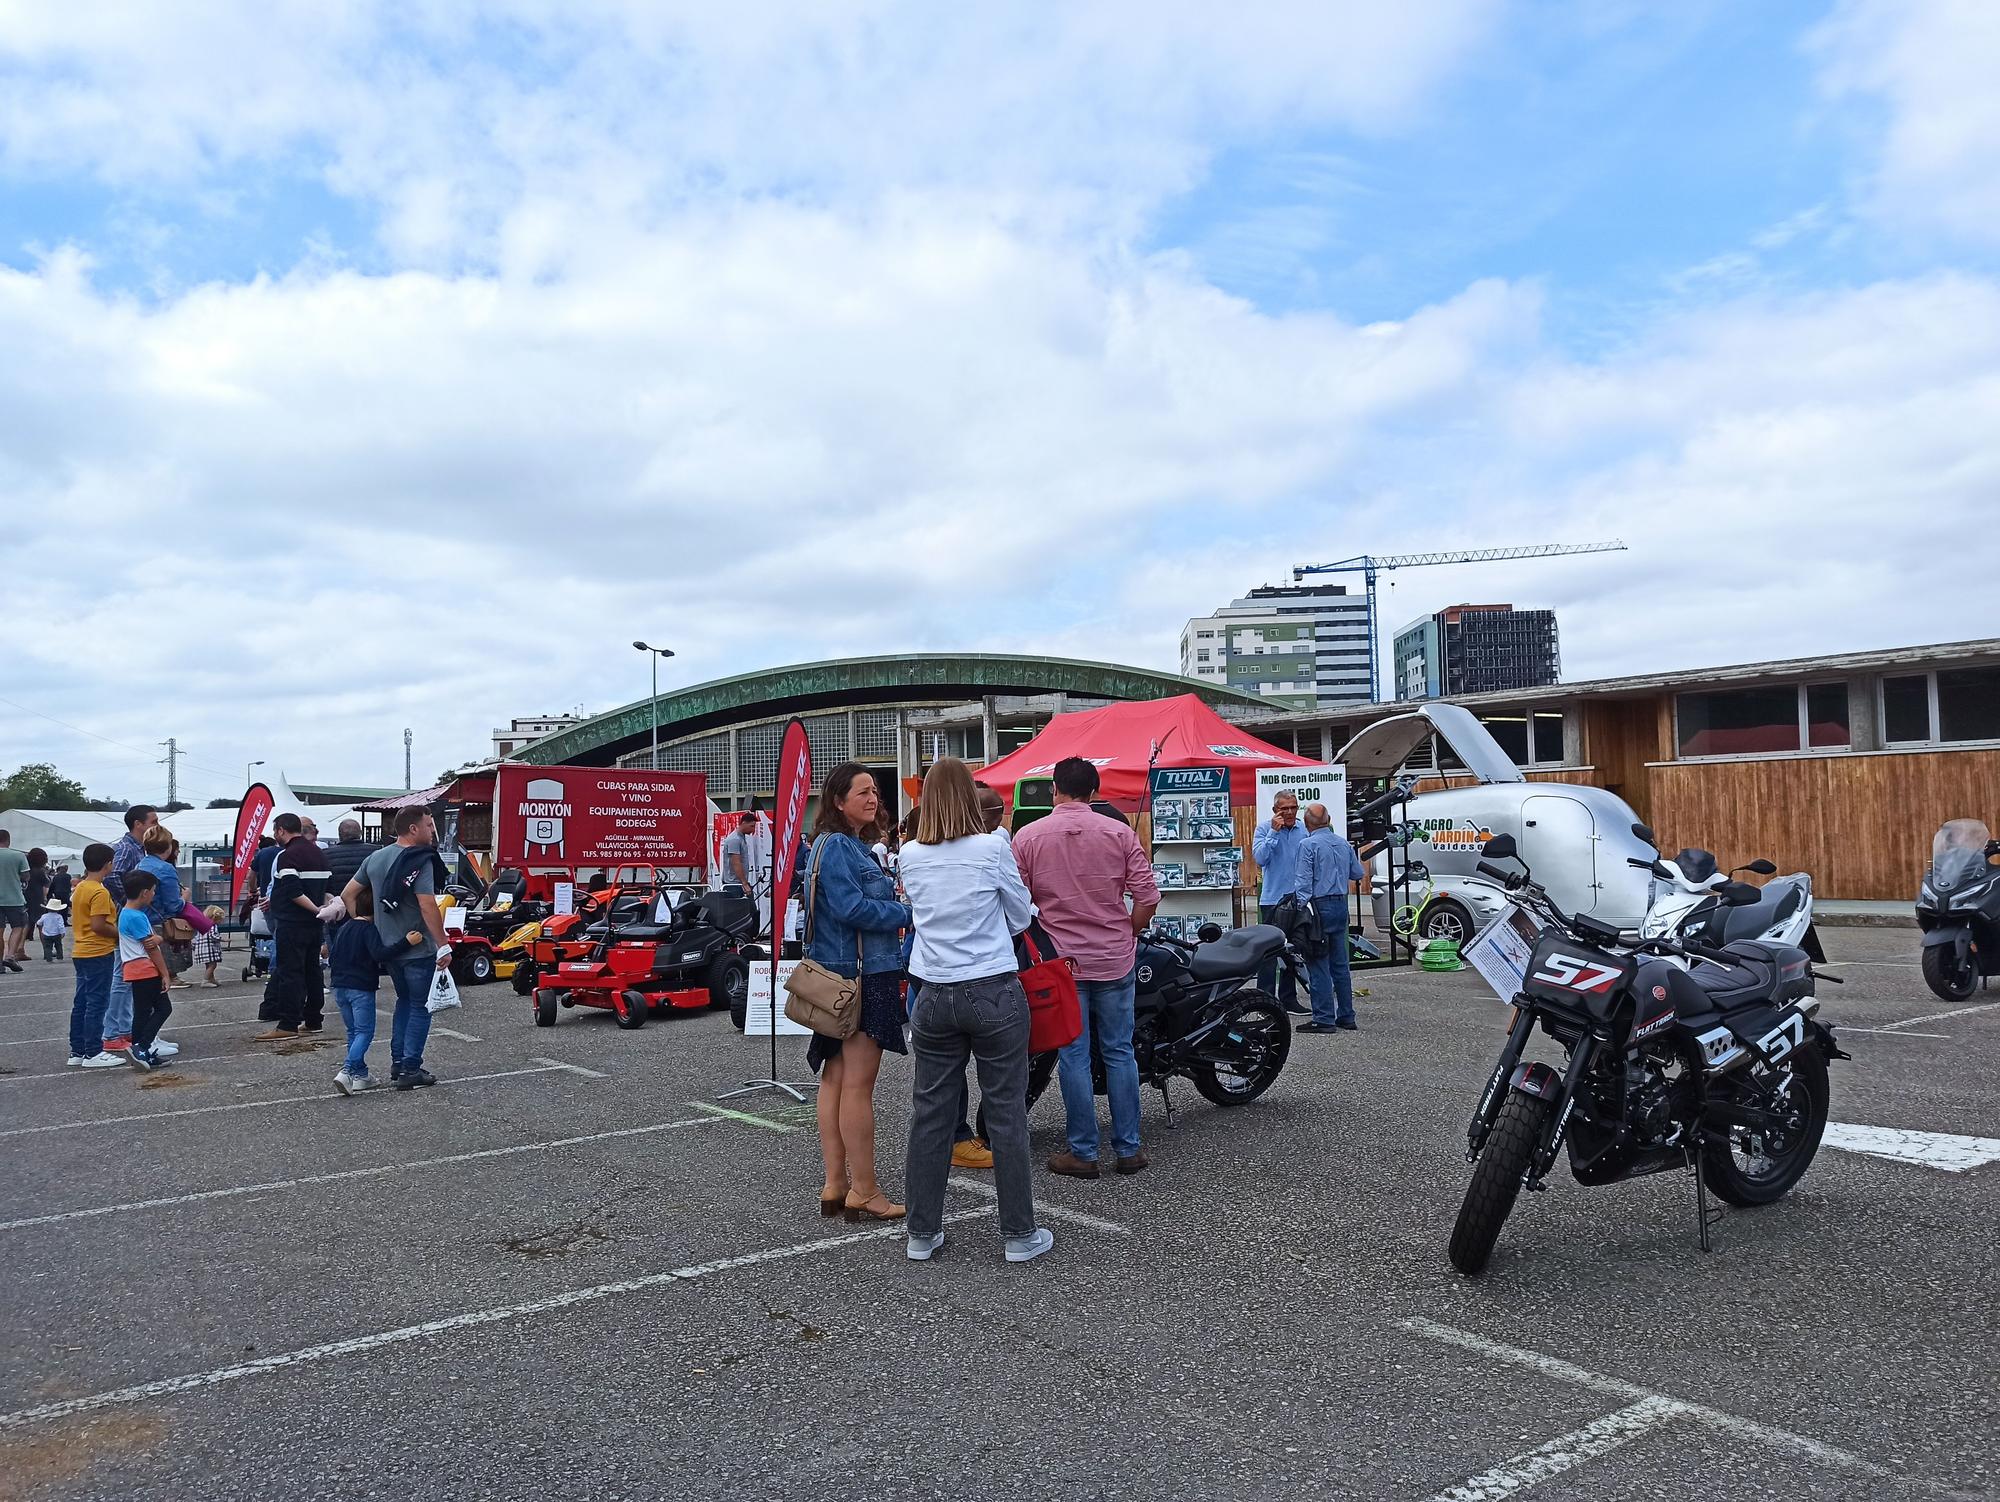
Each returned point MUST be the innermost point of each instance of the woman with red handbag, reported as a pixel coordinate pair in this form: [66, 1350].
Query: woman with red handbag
[967, 902]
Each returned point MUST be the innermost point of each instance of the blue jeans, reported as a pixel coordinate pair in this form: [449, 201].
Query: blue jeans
[1107, 1012]
[1275, 979]
[1328, 975]
[86, 1011]
[412, 1025]
[118, 1008]
[357, 1010]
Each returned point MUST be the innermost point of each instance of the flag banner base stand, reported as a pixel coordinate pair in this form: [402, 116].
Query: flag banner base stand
[771, 1081]
[751, 1087]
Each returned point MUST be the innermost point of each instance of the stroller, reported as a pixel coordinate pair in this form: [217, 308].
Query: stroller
[262, 949]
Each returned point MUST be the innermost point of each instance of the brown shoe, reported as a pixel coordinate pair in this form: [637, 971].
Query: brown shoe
[971, 1153]
[275, 1035]
[881, 1207]
[1134, 1163]
[1073, 1166]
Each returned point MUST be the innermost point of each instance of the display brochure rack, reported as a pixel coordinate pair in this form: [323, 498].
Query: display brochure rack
[1196, 858]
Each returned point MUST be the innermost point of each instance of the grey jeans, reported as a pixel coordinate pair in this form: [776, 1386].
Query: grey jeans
[986, 1020]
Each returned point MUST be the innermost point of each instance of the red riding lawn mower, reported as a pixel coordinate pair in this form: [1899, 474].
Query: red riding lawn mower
[489, 943]
[639, 955]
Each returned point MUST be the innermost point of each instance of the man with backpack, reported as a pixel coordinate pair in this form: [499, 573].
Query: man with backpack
[402, 881]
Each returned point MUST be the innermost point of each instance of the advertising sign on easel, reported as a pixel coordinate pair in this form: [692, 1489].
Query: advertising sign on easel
[1323, 784]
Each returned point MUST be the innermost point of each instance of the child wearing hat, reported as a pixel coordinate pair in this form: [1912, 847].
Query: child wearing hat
[52, 925]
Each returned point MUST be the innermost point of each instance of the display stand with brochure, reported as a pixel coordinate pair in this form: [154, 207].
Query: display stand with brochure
[1500, 950]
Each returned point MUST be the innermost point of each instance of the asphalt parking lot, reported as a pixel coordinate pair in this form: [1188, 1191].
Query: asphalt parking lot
[568, 1272]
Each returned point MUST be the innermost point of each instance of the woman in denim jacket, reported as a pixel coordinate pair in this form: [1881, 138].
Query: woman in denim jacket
[856, 927]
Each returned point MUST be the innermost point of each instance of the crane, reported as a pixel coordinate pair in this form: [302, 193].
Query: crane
[1369, 567]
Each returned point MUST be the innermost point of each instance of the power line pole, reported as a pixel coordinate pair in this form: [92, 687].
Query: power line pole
[172, 761]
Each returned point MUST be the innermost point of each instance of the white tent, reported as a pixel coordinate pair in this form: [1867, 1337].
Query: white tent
[71, 829]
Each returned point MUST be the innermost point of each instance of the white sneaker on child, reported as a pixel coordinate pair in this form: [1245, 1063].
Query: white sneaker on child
[109, 1059]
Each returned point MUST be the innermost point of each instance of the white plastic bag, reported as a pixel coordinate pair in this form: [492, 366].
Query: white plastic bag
[444, 992]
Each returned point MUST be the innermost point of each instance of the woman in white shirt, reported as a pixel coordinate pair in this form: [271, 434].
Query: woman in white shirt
[967, 902]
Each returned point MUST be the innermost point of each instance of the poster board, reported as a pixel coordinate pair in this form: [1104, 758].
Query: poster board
[606, 817]
[757, 1013]
[1321, 784]
[1196, 858]
[1500, 950]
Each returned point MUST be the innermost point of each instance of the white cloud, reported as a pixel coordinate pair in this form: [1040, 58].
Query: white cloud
[1931, 65]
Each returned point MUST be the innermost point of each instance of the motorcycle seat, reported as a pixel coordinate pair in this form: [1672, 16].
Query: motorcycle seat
[1241, 951]
[1780, 899]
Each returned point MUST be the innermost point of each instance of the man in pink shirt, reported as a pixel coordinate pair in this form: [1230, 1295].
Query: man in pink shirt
[1080, 867]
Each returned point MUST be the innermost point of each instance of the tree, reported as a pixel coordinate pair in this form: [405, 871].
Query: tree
[40, 785]
[224, 802]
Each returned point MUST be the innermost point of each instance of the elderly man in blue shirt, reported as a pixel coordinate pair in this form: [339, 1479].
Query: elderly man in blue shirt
[1275, 845]
[1327, 867]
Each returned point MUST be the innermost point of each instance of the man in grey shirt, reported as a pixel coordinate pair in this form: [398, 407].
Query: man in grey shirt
[401, 882]
[736, 855]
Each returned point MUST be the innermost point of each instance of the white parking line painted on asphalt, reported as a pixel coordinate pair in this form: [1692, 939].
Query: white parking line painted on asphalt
[452, 1033]
[589, 1074]
[273, 1185]
[1888, 1032]
[283, 1100]
[1600, 1437]
[1714, 1418]
[22, 1418]
[1953, 1154]
[1944, 1016]
[1043, 1207]
[170, 1030]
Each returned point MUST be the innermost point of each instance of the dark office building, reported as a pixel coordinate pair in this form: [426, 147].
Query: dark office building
[1476, 649]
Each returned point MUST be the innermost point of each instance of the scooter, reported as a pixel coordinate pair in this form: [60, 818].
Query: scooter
[1686, 901]
[1958, 908]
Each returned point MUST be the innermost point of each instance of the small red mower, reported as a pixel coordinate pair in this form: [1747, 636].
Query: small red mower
[694, 958]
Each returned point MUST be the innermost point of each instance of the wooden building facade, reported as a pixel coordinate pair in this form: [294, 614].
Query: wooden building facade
[1843, 766]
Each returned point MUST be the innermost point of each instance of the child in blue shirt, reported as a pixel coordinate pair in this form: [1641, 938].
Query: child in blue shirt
[143, 964]
[357, 957]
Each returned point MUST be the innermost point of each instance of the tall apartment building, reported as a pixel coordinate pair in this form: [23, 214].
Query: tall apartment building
[1475, 649]
[1303, 646]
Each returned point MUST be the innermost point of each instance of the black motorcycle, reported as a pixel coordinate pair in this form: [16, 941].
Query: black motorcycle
[1678, 1055]
[1958, 908]
[1199, 1016]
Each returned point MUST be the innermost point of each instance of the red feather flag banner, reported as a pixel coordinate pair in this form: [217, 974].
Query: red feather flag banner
[251, 818]
[795, 776]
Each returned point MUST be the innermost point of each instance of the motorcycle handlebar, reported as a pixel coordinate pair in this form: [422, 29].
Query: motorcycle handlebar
[1487, 868]
[1633, 860]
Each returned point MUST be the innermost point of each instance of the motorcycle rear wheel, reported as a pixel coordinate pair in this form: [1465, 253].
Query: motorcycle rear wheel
[1946, 976]
[1496, 1181]
[1738, 1175]
[1267, 1043]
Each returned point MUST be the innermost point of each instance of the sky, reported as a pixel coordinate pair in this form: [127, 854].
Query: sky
[372, 366]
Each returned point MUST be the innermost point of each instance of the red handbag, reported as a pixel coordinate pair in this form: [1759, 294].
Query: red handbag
[1055, 1017]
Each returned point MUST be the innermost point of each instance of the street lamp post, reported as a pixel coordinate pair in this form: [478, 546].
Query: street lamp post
[247, 766]
[653, 658]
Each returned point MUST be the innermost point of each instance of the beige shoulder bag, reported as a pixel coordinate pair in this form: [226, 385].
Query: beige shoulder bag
[815, 996]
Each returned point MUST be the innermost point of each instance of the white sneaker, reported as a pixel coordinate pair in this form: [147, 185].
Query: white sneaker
[74, 1061]
[919, 1248]
[162, 1049]
[1028, 1248]
[109, 1059]
[346, 1083]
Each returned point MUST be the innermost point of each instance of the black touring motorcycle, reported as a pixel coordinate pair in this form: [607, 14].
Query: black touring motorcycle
[1717, 1066]
[1199, 1015]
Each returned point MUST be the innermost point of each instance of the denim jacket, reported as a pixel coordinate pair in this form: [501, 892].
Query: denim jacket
[167, 901]
[854, 896]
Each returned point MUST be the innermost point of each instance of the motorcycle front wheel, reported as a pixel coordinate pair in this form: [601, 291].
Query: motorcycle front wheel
[1496, 1181]
[1750, 1168]
[1254, 1043]
[1945, 974]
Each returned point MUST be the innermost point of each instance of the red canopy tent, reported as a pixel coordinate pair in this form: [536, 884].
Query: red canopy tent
[1120, 739]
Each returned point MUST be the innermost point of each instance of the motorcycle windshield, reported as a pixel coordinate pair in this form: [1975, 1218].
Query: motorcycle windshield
[1958, 852]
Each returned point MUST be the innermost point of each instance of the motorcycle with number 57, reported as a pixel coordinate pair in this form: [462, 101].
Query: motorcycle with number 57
[1718, 1066]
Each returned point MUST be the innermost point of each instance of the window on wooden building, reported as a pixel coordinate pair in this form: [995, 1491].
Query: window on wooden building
[1739, 721]
[1950, 705]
